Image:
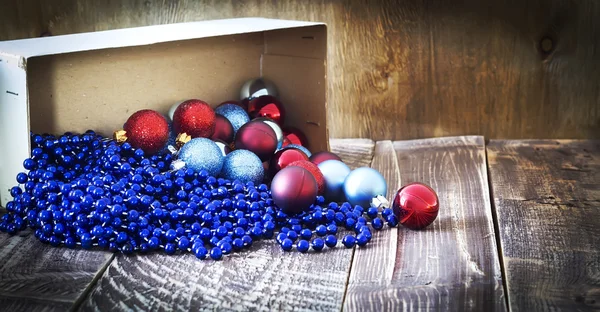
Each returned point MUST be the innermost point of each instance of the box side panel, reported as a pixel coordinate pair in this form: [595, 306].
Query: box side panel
[14, 124]
[99, 89]
[310, 41]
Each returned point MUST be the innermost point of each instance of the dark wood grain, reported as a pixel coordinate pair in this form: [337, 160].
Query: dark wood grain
[38, 277]
[405, 69]
[452, 264]
[547, 202]
[264, 278]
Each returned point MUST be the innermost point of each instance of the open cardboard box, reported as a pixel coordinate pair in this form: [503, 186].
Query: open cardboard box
[96, 80]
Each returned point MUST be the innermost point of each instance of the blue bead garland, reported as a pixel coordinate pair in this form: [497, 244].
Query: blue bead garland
[87, 191]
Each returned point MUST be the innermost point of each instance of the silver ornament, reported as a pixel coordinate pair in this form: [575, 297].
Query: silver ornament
[275, 127]
[172, 110]
[257, 87]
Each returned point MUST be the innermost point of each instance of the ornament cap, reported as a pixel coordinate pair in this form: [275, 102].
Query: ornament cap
[380, 202]
[177, 165]
[182, 138]
[120, 136]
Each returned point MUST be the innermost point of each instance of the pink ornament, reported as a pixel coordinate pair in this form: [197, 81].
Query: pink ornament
[320, 157]
[294, 189]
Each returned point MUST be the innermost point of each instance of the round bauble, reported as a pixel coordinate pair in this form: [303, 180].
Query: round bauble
[223, 129]
[267, 106]
[416, 205]
[145, 129]
[362, 185]
[172, 110]
[257, 137]
[283, 158]
[295, 136]
[256, 87]
[223, 146]
[314, 170]
[320, 157]
[294, 190]
[195, 118]
[300, 147]
[334, 172]
[275, 127]
[243, 165]
[202, 154]
[234, 113]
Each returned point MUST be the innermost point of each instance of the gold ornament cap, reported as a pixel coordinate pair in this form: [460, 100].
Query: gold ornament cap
[182, 138]
[120, 136]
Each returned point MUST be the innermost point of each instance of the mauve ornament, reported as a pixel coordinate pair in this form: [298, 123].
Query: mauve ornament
[294, 190]
[320, 157]
[257, 137]
[223, 129]
[256, 87]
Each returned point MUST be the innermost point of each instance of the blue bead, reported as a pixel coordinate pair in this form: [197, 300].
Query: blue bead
[296, 227]
[392, 220]
[350, 222]
[122, 237]
[303, 246]
[377, 223]
[247, 240]
[292, 235]
[321, 230]
[170, 235]
[205, 233]
[170, 248]
[237, 243]
[361, 239]
[330, 241]
[349, 241]
[306, 234]
[317, 244]
[287, 244]
[386, 212]
[153, 242]
[183, 243]
[372, 212]
[22, 178]
[221, 231]
[332, 229]
[216, 253]
[70, 242]
[200, 252]
[226, 248]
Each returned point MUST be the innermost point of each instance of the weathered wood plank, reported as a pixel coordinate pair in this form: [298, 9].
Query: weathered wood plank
[547, 202]
[34, 276]
[451, 265]
[264, 278]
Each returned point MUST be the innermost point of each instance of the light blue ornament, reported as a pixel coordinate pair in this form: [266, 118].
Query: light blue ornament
[362, 185]
[202, 154]
[334, 172]
[235, 114]
[300, 147]
[243, 165]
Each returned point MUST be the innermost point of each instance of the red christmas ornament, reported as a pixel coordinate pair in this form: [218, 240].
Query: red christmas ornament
[257, 137]
[416, 206]
[145, 129]
[267, 106]
[195, 118]
[294, 136]
[314, 170]
[320, 157]
[293, 190]
[284, 158]
[223, 129]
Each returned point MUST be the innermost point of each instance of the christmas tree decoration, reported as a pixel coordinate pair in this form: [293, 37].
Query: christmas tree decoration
[223, 129]
[275, 127]
[320, 157]
[201, 154]
[300, 147]
[283, 158]
[254, 88]
[145, 129]
[195, 118]
[314, 170]
[362, 185]
[416, 205]
[335, 173]
[224, 147]
[172, 110]
[234, 113]
[294, 190]
[295, 136]
[243, 165]
[257, 137]
[267, 106]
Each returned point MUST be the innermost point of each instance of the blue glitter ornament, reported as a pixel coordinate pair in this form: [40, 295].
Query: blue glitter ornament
[234, 113]
[201, 154]
[362, 185]
[243, 165]
[334, 172]
[300, 147]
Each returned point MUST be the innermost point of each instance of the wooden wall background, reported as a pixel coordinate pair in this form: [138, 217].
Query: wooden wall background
[405, 69]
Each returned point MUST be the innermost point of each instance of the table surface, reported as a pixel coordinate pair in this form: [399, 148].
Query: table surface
[518, 229]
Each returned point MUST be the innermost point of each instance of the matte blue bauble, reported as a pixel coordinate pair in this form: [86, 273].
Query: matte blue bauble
[334, 172]
[362, 185]
[202, 154]
[243, 165]
[300, 147]
[234, 113]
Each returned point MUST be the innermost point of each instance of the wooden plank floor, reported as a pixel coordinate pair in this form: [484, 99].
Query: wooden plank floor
[540, 225]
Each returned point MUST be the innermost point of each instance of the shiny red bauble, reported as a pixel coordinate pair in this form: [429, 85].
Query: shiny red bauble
[294, 136]
[267, 106]
[314, 170]
[148, 130]
[223, 129]
[194, 117]
[320, 157]
[416, 205]
[257, 137]
[284, 158]
[293, 190]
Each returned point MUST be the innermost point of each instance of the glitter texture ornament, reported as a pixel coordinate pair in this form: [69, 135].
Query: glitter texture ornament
[334, 172]
[275, 127]
[195, 118]
[362, 185]
[234, 113]
[257, 87]
[314, 170]
[320, 157]
[267, 106]
[223, 129]
[295, 136]
[257, 137]
[283, 158]
[145, 129]
[202, 154]
[416, 205]
[243, 165]
[294, 189]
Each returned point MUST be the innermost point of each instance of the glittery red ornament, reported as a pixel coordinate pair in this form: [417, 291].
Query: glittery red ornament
[294, 136]
[257, 137]
[194, 117]
[284, 158]
[314, 170]
[223, 129]
[146, 129]
[267, 106]
[416, 205]
[320, 157]
[294, 190]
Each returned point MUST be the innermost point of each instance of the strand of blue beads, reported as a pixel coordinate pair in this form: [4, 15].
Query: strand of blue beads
[90, 192]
